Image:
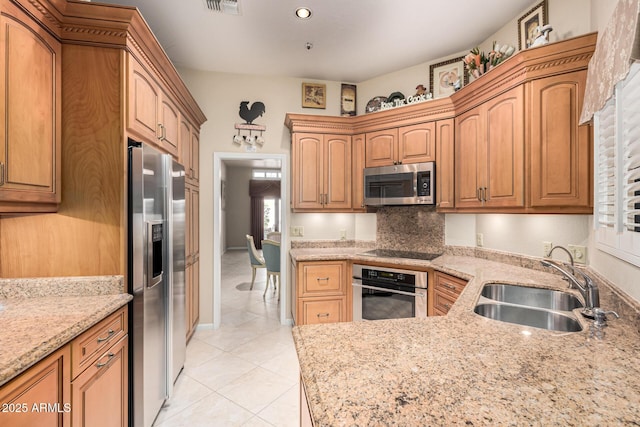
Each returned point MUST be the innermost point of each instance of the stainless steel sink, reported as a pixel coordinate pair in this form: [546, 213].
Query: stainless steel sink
[531, 297]
[536, 318]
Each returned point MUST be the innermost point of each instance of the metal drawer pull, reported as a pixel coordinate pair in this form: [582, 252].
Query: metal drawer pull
[1, 174]
[323, 315]
[321, 278]
[109, 357]
[447, 306]
[445, 285]
[109, 334]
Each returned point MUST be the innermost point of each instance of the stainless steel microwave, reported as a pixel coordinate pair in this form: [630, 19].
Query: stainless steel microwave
[409, 184]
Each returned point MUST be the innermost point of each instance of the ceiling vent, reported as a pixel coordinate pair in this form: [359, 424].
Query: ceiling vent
[229, 7]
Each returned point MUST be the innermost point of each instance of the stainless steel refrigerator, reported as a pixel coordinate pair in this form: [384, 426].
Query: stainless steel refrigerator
[156, 280]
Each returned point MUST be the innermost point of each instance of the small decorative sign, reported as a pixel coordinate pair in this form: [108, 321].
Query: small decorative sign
[405, 101]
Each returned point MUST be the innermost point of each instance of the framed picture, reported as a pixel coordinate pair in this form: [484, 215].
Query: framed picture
[348, 100]
[314, 95]
[529, 22]
[443, 76]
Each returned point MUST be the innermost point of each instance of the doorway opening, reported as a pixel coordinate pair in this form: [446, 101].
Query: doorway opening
[226, 234]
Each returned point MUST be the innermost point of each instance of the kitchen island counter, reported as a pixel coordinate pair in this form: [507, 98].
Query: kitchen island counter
[38, 316]
[464, 369]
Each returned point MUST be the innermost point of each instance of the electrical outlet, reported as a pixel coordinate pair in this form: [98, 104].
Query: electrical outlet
[479, 239]
[546, 248]
[579, 253]
[297, 231]
[300, 231]
[343, 234]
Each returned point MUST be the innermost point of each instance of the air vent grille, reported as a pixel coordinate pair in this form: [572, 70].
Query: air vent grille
[229, 7]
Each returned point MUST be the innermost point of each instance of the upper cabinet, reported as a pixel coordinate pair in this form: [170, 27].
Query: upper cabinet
[489, 153]
[408, 144]
[153, 116]
[322, 167]
[30, 114]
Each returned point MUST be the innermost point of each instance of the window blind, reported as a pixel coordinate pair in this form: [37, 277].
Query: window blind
[631, 150]
[606, 176]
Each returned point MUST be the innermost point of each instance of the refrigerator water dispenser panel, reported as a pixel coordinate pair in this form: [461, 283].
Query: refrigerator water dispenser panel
[155, 243]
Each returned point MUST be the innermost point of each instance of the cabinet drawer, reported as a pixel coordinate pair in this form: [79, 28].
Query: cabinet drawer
[442, 302]
[448, 284]
[89, 346]
[325, 279]
[323, 311]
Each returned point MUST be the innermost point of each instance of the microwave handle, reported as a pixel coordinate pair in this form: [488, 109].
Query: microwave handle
[411, 294]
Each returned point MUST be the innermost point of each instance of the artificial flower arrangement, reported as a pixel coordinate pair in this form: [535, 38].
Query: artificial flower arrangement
[477, 63]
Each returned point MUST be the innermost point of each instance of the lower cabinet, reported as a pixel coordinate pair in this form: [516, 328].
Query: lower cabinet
[99, 370]
[41, 395]
[321, 292]
[84, 383]
[446, 291]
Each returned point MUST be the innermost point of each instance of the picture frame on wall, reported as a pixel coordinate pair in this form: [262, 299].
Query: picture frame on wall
[314, 95]
[443, 76]
[348, 100]
[529, 22]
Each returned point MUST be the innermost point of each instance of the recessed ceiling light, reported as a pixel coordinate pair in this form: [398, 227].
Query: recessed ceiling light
[303, 13]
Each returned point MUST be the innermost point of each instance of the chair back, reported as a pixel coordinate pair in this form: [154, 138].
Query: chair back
[271, 252]
[254, 256]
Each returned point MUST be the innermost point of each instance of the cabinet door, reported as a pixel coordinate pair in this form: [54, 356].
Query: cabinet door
[445, 164]
[417, 143]
[169, 125]
[195, 156]
[194, 309]
[185, 146]
[307, 186]
[100, 394]
[195, 220]
[46, 383]
[560, 149]
[357, 172]
[188, 292]
[337, 172]
[504, 180]
[144, 96]
[469, 157]
[381, 148]
[323, 310]
[30, 112]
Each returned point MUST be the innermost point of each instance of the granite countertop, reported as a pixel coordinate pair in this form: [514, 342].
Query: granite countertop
[38, 316]
[464, 369]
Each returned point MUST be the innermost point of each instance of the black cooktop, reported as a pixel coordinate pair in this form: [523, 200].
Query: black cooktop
[391, 253]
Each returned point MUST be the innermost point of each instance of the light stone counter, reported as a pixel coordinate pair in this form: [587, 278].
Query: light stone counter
[39, 316]
[464, 369]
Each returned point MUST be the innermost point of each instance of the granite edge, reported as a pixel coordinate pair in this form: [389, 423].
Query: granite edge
[61, 286]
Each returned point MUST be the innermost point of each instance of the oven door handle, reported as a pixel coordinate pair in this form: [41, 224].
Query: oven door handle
[394, 291]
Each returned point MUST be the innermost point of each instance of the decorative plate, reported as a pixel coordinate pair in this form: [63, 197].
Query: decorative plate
[374, 104]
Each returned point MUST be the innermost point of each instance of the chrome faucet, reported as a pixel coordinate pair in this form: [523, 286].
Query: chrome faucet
[588, 289]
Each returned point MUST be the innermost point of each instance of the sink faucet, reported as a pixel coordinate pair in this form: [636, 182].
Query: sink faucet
[588, 288]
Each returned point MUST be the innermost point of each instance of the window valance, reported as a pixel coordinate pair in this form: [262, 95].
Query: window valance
[618, 46]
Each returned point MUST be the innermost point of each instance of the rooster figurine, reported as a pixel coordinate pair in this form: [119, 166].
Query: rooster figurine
[250, 114]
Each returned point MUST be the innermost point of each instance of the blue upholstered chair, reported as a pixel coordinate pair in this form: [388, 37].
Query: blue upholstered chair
[256, 260]
[271, 252]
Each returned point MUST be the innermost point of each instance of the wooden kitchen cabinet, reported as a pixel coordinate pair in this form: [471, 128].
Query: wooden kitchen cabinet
[321, 172]
[192, 258]
[561, 150]
[30, 114]
[357, 172]
[152, 114]
[445, 165]
[407, 144]
[446, 291]
[489, 153]
[321, 292]
[41, 395]
[100, 372]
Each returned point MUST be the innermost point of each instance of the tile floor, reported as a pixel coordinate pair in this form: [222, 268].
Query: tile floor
[246, 372]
